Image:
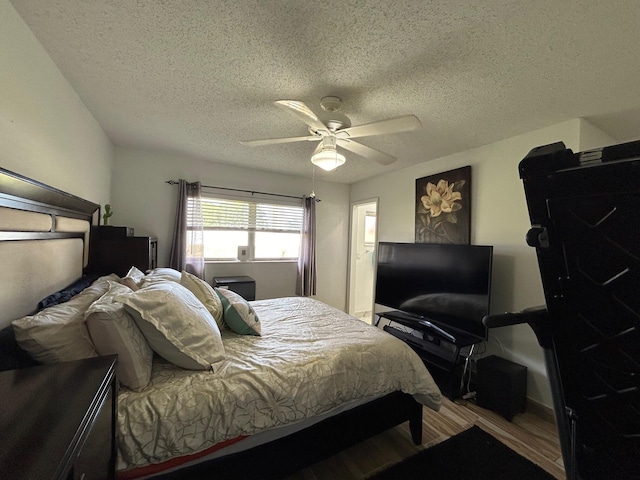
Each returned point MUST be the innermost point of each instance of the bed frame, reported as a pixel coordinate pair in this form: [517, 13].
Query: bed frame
[44, 242]
[44, 247]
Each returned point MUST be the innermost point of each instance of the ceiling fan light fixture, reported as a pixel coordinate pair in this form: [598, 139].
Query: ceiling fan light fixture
[333, 128]
[328, 159]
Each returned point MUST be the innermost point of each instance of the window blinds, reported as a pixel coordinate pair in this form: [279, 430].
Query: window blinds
[225, 214]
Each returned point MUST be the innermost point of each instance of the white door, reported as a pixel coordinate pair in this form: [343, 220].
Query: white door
[362, 255]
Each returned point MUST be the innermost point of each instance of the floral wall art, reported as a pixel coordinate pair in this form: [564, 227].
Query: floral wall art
[443, 207]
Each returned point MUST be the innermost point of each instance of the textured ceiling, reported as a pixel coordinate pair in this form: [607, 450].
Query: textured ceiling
[196, 77]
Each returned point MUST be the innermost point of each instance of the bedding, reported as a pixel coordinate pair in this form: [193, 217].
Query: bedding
[176, 324]
[67, 293]
[59, 333]
[113, 331]
[238, 315]
[161, 274]
[311, 360]
[133, 278]
[205, 293]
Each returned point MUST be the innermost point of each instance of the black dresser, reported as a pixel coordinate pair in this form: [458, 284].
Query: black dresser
[116, 250]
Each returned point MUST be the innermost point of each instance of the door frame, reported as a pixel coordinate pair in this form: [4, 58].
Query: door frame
[352, 256]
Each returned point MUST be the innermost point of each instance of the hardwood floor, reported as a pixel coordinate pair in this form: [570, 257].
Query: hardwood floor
[529, 434]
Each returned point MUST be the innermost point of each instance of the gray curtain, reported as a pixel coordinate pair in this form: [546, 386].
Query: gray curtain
[306, 281]
[187, 248]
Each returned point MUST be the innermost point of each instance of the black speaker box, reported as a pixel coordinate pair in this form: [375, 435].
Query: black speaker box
[501, 386]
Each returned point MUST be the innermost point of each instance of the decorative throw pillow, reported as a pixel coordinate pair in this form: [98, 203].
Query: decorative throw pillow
[113, 331]
[59, 333]
[176, 324]
[238, 315]
[205, 293]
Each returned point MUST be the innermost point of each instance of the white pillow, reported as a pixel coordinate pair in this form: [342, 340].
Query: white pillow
[176, 324]
[161, 275]
[205, 293]
[58, 333]
[135, 274]
[238, 314]
[113, 331]
[133, 278]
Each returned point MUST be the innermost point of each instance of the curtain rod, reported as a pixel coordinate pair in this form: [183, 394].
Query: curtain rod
[313, 195]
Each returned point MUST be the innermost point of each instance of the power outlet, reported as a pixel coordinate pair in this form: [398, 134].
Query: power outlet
[243, 253]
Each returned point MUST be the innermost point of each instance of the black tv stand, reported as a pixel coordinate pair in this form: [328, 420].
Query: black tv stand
[418, 323]
[440, 350]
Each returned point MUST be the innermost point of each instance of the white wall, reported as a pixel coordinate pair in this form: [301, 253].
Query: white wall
[46, 132]
[592, 137]
[499, 217]
[142, 199]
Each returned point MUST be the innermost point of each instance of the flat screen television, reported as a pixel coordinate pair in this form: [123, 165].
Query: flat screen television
[448, 286]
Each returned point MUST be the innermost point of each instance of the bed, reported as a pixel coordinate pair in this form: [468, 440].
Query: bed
[282, 384]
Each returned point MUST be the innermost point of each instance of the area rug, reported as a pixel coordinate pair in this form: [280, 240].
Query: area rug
[470, 455]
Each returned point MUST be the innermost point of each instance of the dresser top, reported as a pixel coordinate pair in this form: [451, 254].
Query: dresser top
[233, 279]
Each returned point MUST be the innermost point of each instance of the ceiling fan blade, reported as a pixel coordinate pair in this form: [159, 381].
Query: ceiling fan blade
[273, 141]
[367, 152]
[304, 113]
[405, 123]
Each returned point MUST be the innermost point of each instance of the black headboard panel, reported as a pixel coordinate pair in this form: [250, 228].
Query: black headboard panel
[22, 193]
[44, 242]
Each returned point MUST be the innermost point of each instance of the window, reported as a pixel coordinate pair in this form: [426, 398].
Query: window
[271, 231]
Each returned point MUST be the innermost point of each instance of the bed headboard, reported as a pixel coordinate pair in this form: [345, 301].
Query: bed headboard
[44, 242]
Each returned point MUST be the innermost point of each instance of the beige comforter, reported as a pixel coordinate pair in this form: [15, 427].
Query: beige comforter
[310, 359]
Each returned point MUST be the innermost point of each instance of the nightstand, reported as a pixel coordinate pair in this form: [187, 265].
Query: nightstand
[242, 285]
[58, 420]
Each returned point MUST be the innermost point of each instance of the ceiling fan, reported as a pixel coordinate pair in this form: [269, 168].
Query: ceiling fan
[332, 129]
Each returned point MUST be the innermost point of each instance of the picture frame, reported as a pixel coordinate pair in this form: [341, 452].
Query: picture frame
[443, 207]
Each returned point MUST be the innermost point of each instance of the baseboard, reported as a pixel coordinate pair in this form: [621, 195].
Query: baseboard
[540, 410]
